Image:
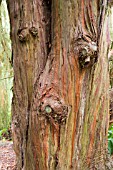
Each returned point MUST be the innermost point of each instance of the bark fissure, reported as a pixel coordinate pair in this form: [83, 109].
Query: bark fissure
[47, 21]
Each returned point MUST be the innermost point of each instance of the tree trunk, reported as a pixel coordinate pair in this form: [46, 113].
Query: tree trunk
[60, 105]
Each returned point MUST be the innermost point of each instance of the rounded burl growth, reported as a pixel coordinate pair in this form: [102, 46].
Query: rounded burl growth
[52, 108]
[87, 56]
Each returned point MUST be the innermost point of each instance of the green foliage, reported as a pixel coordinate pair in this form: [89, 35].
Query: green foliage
[110, 139]
[3, 131]
[5, 134]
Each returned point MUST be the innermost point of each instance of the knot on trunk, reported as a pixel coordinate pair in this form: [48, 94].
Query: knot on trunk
[86, 50]
[23, 34]
[53, 109]
[34, 31]
[87, 55]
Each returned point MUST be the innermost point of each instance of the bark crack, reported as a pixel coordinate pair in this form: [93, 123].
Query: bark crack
[47, 22]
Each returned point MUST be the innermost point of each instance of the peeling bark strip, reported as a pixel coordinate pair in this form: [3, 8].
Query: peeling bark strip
[61, 84]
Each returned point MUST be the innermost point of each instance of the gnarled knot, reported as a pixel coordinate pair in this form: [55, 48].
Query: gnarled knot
[23, 34]
[34, 31]
[53, 108]
[87, 55]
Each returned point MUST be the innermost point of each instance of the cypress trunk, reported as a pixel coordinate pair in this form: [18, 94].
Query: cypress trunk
[61, 80]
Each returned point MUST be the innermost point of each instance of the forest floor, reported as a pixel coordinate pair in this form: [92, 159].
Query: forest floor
[7, 156]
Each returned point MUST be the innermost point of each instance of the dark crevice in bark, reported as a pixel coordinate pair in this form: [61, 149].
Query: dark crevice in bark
[22, 156]
[27, 126]
[12, 59]
[47, 20]
[56, 161]
[58, 149]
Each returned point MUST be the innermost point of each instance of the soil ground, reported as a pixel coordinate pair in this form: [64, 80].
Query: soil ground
[7, 156]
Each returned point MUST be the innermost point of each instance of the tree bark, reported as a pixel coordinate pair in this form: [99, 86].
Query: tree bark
[60, 104]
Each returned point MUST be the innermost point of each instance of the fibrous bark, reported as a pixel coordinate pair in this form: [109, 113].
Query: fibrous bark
[60, 103]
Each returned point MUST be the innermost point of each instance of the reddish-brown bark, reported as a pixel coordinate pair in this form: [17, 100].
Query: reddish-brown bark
[60, 103]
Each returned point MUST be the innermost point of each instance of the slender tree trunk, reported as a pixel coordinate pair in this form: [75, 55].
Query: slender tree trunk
[60, 103]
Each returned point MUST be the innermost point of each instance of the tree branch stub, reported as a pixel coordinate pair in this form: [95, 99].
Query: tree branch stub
[23, 34]
[34, 31]
[86, 51]
[52, 107]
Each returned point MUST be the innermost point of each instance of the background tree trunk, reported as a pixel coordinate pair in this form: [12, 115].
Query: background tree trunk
[6, 71]
[61, 81]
